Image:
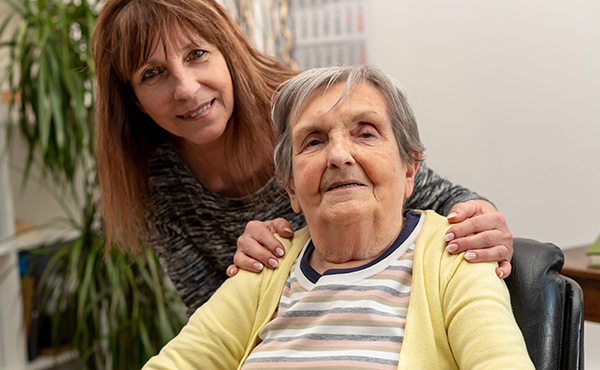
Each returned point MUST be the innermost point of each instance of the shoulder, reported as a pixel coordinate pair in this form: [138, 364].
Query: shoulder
[293, 246]
[450, 265]
[434, 227]
[431, 256]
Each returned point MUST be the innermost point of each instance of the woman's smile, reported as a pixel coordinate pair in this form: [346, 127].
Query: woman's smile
[344, 185]
[198, 111]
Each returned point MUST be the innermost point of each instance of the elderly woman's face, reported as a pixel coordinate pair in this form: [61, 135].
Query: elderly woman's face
[346, 161]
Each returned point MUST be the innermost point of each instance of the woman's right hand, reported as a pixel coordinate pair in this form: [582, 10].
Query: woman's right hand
[258, 247]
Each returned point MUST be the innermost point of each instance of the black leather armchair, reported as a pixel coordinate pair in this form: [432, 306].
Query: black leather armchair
[547, 305]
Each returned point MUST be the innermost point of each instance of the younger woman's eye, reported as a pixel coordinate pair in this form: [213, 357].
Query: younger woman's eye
[152, 72]
[197, 53]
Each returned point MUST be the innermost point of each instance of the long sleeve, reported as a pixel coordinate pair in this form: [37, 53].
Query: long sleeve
[432, 191]
[459, 315]
[224, 330]
[195, 273]
[218, 333]
[482, 331]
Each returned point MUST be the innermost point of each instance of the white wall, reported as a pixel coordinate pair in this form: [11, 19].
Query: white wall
[507, 95]
[507, 98]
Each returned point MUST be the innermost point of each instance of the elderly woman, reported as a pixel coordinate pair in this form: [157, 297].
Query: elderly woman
[367, 284]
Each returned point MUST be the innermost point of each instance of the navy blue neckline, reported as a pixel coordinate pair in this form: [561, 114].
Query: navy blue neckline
[412, 220]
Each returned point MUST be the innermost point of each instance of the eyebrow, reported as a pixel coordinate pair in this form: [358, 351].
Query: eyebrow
[361, 116]
[150, 61]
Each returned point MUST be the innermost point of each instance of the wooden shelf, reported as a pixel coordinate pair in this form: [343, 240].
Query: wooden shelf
[576, 267]
[48, 362]
[35, 238]
[14, 341]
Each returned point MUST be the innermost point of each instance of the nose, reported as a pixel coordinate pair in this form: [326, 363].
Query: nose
[340, 153]
[185, 85]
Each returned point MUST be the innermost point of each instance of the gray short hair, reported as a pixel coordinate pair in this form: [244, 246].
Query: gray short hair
[291, 96]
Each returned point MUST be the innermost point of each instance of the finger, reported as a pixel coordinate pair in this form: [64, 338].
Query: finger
[504, 269]
[257, 234]
[232, 270]
[465, 210]
[497, 253]
[462, 211]
[282, 227]
[483, 240]
[253, 253]
[245, 262]
[477, 224]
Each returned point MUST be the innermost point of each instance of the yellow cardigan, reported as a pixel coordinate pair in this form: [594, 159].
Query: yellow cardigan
[459, 314]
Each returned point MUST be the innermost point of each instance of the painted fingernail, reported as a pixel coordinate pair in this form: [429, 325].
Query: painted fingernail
[501, 274]
[452, 214]
[258, 266]
[452, 248]
[288, 230]
[231, 271]
[448, 237]
[470, 255]
[273, 262]
[279, 252]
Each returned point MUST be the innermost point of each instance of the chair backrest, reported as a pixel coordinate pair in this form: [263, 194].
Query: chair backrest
[547, 305]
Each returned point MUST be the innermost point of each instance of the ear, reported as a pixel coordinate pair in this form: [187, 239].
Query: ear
[411, 172]
[291, 190]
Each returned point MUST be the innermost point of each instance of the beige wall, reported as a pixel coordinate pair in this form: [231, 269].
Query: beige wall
[507, 97]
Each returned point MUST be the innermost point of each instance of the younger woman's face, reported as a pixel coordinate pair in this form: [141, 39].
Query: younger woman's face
[186, 88]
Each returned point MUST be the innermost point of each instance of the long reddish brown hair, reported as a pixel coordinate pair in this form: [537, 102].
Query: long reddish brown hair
[126, 33]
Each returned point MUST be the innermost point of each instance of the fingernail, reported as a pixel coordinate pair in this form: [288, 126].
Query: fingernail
[288, 230]
[258, 266]
[448, 237]
[501, 274]
[273, 262]
[452, 248]
[279, 252]
[231, 271]
[470, 255]
[452, 214]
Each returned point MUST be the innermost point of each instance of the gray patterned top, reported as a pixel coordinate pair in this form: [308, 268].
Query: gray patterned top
[197, 230]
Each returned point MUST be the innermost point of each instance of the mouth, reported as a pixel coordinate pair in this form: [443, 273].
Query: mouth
[341, 185]
[197, 112]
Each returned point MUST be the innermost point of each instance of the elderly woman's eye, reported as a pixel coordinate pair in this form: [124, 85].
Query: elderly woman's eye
[366, 135]
[313, 142]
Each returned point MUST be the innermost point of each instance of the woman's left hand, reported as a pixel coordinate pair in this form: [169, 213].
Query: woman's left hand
[480, 231]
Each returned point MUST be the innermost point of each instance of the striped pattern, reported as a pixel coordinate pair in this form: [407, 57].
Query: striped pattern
[197, 230]
[351, 319]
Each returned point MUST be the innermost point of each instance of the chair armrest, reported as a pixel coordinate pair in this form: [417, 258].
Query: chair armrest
[547, 305]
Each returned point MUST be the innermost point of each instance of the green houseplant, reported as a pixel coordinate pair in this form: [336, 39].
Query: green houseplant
[121, 310]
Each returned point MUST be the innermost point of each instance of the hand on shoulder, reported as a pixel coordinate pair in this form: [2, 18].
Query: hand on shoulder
[480, 230]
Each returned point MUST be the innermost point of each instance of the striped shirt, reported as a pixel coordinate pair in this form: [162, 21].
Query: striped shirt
[345, 318]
